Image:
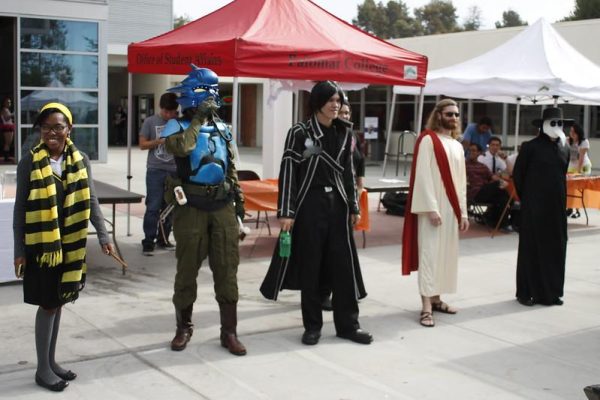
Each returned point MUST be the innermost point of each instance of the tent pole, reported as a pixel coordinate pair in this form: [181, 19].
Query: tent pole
[129, 132]
[296, 110]
[420, 110]
[234, 109]
[388, 134]
[517, 123]
[555, 97]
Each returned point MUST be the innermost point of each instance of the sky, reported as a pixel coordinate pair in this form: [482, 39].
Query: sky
[491, 10]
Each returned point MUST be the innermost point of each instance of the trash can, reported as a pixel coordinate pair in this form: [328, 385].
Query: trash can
[376, 150]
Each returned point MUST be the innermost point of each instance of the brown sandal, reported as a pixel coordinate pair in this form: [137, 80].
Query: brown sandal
[442, 307]
[427, 319]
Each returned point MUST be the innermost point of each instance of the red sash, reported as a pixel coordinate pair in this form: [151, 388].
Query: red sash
[410, 250]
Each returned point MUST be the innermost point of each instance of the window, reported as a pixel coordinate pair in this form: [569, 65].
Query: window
[59, 63]
[48, 34]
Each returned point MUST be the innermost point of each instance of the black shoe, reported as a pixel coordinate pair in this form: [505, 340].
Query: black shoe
[358, 336]
[526, 301]
[55, 387]
[311, 337]
[67, 375]
[326, 304]
[166, 246]
[554, 302]
[147, 248]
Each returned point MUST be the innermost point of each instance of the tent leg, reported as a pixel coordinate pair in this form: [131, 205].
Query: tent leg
[235, 108]
[296, 110]
[517, 123]
[389, 133]
[129, 131]
[420, 111]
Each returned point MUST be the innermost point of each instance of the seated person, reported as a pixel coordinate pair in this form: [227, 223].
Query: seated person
[485, 187]
[480, 133]
[494, 158]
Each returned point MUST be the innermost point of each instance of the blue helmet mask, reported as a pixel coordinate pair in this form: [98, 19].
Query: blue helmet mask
[199, 85]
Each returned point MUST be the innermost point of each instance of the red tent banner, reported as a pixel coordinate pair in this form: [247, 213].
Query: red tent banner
[279, 39]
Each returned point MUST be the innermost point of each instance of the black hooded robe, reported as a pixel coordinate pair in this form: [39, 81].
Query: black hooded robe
[540, 180]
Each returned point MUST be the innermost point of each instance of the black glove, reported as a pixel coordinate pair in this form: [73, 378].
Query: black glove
[239, 210]
[206, 109]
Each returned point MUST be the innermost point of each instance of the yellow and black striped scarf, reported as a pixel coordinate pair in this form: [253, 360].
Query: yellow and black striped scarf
[43, 233]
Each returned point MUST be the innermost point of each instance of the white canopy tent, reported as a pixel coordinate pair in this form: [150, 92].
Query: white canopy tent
[537, 66]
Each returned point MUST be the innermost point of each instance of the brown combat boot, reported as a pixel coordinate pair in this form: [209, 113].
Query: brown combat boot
[229, 338]
[184, 328]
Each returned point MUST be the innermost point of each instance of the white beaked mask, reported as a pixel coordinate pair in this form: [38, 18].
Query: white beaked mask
[553, 128]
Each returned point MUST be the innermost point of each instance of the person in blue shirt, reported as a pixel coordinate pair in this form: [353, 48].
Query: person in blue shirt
[478, 133]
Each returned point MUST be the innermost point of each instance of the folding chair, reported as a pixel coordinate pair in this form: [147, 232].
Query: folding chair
[476, 211]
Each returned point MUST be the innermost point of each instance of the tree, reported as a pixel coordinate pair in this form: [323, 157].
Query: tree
[585, 9]
[510, 18]
[180, 20]
[400, 23]
[389, 21]
[473, 21]
[438, 16]
[372, 18]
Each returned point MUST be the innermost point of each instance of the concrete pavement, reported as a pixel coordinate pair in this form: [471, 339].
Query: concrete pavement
[116, 335]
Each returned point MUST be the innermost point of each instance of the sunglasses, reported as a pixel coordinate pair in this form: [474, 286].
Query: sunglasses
[451, 114]
[556, 123]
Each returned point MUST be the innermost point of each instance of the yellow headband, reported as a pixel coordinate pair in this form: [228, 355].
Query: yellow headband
[62, 108]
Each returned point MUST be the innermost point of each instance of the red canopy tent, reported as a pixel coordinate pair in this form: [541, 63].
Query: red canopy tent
[281, 39]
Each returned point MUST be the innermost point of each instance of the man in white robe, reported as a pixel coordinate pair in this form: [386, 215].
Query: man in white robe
[441, 210]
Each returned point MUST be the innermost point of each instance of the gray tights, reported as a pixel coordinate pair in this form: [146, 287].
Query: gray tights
[46, 332]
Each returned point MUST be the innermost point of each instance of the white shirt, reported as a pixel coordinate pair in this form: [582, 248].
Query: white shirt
[488, 160]
[56, 165]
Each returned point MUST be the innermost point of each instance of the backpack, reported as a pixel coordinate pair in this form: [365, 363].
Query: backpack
[394, 202]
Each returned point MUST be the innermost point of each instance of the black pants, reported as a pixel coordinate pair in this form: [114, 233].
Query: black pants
[321, 232]
[492, 193]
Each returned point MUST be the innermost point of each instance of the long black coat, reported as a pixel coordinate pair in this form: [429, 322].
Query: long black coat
[540, 179]
[295, 177]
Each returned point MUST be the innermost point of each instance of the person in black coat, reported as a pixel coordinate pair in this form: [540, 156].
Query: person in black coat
[317, 204]
[540, 180]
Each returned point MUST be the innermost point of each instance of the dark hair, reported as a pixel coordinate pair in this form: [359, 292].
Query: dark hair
[346, 103]
[485, 121]
[580, 134]
[495, 139]
[479, 148]
[168, 101]
[43, 116]
[321, 93]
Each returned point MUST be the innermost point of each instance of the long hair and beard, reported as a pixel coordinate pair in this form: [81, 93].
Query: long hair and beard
[435, 123]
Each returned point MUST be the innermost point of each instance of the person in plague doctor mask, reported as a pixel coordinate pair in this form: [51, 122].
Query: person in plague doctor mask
[540, 180]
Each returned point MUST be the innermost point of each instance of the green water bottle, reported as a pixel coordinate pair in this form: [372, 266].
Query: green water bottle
[285, 244]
